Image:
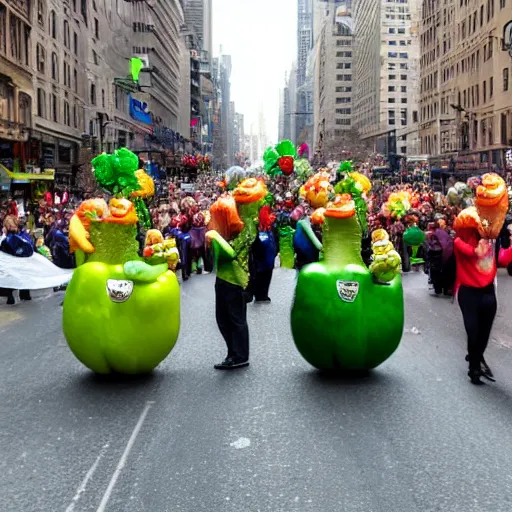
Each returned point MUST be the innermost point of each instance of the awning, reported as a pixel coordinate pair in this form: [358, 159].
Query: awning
[47, 175]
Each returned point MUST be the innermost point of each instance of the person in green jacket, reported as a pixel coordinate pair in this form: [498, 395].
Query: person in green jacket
[235, 227]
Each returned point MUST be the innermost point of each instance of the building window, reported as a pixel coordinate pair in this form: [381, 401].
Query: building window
[491, 87]
[75, 43]
[67, 39]
[503, 3]
[414, 116]
[95, 57]
[391, 88]
[403, 88]
[103, 98]
[401, 31]
[403, 100]
[40, 58]
[391, 77]
[93, 94]
[67, 75]
[391, 100]
[75, 116]
[345, 122]
[96, 28]
[344, 111]
[41, 103]
[84, 11]
[404, 65]
[392, 43]
[53, 25]
[75, 79]
[55, 109]
[40, 12]
[505, 79]
[404, 55]
[67, 117]
[484, 91]
[392, 55]
[391, 30]
[94, 5]
[403, 77]
[55, 67]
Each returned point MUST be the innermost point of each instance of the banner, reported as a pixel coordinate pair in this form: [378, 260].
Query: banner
[34, 273]
[139, 111]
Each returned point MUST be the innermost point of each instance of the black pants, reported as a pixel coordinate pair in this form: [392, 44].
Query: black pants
[231, 316]
[260, 284]
[478, 306]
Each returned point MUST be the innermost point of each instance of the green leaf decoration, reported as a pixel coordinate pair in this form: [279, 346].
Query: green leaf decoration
[270, 158]
[286, 148]
[345, 167]
[116, 172]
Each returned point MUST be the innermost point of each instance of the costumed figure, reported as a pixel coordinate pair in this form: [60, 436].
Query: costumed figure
[262, 258]
[345, 316]
[307, 241]
[476, 229]
[414, 238]
[121, 314]
[233, 229]
[280, 161]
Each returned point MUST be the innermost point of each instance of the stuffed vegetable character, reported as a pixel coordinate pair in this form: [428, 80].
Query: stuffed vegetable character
[343, 318]
[280, 159]
[121, 314]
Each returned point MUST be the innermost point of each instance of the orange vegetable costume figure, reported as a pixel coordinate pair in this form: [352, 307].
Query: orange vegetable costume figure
[476, 228]
[233, 229]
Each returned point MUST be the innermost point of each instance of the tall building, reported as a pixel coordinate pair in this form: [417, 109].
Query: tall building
[304, 93]
[466, 103]
[281, 121]
[198, 17]
[66, 88]
[333, 82]
[16, 87]
[223, 141]
[385, 70]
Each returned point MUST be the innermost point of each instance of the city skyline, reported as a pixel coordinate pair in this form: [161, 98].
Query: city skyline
[258, 65]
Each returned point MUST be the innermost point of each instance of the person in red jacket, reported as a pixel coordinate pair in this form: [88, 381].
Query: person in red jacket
[476, 274]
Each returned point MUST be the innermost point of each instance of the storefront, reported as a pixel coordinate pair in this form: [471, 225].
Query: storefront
[25, 188]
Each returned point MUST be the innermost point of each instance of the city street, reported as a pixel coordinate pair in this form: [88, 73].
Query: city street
[413, 435]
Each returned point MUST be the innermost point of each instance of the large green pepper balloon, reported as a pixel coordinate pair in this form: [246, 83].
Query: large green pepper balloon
[120, 314]
[342, 318]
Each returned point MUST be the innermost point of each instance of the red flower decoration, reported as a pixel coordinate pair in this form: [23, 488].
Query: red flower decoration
[286, 165]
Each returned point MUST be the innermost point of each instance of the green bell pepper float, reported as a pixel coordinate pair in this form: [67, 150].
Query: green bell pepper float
[121, 315]
[342, 317]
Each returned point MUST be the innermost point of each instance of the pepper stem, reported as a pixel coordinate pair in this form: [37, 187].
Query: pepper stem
[341, 239]
[114, 244]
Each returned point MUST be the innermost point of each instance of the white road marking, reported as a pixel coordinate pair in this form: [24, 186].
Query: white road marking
[241, 443]
[85, 481]
[124, 457]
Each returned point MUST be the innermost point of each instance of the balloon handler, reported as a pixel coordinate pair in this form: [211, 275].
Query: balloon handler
[233, 229]
[121, 313]
[346, 316]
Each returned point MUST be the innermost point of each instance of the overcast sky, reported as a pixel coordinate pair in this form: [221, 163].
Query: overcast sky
[260, 35]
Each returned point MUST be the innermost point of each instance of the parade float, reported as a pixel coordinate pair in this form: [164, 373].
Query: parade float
[346, 316]
[121, 312]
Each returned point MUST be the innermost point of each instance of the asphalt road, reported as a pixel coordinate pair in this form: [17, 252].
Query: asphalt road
[414, 435]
